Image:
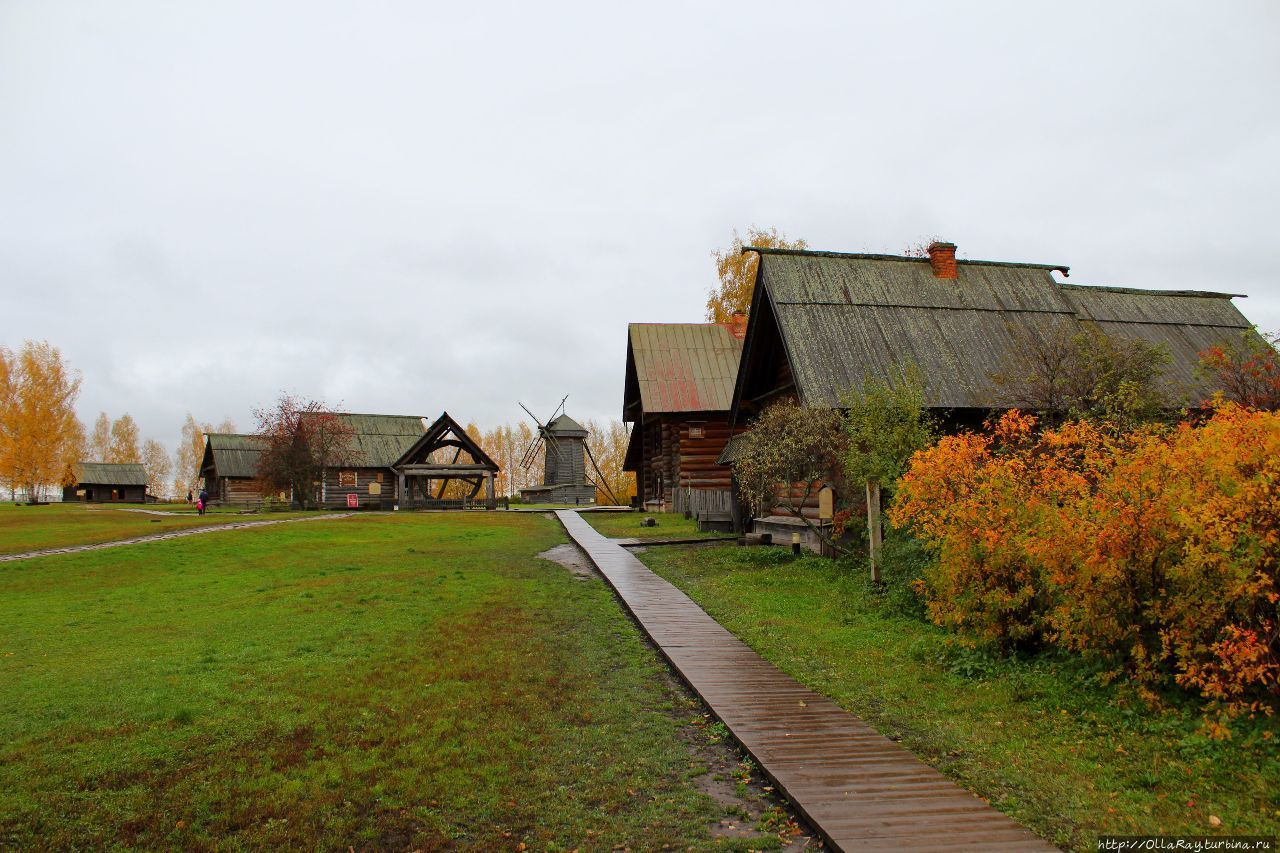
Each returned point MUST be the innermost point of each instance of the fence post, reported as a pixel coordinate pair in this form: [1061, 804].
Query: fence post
[873, 527]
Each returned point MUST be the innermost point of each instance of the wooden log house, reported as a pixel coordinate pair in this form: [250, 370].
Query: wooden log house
[822, 323]
[229, 468]
[678, 388]
[107, 482]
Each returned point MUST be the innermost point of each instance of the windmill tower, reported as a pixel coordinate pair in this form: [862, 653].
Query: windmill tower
[563, 442]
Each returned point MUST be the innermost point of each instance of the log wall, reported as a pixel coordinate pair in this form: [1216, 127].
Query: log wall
[675, 462]
[335, 495]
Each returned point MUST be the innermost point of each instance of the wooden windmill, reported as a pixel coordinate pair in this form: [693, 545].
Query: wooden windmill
[562, 442]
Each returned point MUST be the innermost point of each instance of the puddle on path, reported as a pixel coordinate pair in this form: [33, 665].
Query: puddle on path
[572, 558]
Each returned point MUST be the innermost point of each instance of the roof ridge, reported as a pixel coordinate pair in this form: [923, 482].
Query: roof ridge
[1107, 288]
[871, 256]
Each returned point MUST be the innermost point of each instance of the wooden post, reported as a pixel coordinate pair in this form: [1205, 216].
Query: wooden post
[401, 496]
[873, 527]
[489, 502]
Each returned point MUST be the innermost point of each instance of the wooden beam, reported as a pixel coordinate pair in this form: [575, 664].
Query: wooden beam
[443, 470]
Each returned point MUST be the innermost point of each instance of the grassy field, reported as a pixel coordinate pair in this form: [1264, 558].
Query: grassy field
[31, 528]
[406, 681]
[626, 525]
[1039, 739]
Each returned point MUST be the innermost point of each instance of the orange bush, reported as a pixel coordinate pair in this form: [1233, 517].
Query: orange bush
[1155, 550]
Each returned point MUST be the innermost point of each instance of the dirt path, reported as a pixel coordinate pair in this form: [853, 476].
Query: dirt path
[159, 537]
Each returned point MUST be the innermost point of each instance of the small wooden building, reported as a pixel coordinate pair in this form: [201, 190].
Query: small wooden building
[229, 468]
[677, 393]
[564, 466]
[107, 482]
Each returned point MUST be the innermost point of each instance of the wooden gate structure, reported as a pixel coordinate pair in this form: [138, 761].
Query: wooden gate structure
[423, 475]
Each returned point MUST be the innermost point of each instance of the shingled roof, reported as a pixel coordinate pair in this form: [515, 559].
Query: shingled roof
[845, 317]
[679, 367]
[379, 440]
[232, 454]
[110, 473]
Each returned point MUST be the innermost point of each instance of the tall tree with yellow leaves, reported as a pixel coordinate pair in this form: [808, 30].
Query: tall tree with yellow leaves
[99, 448]
[125, 439]
[737, 272]
[40, 435]
[158, 465]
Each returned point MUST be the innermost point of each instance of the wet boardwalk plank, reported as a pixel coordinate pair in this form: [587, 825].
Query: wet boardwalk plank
[858, 789]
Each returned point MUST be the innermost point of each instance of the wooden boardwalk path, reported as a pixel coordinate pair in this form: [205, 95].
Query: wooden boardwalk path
[858, 789]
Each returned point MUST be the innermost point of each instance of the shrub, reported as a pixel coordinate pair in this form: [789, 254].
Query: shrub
[1153, 551]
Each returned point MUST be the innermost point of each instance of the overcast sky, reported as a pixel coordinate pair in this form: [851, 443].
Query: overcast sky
[409, 207]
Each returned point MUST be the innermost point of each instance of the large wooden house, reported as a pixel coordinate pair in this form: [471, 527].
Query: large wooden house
[677, 393]
[822, 323]
[107, 482]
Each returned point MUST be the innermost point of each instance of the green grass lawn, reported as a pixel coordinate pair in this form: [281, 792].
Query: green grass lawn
[31, 528]
[411, 681]
[1039, 739]
[626, 525]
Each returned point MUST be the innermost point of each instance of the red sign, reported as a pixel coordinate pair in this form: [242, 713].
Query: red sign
[353, 501]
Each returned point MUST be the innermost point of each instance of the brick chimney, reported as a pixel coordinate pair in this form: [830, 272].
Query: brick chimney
[942, 257]
[738, 325]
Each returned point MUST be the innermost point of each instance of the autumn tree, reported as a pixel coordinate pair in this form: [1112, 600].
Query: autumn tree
[737, 271]
[125, 439]
[158, 465]
[99, 448]
[1248, 369]
[885, 424]
[40, 435]
[789, 454]
[300, 438]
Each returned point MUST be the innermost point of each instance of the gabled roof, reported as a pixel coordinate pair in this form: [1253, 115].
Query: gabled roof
[232, 454]
[679, 367]
[379, 440]
[110, 473]
[843, 318]
[445, 432]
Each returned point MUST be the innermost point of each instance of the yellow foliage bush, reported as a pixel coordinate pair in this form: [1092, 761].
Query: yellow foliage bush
[1154, 550]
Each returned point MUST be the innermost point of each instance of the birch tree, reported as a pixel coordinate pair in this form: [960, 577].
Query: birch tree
[40, 435]
[99, 448]
[158, 465]
[125, 439]
[737, 272]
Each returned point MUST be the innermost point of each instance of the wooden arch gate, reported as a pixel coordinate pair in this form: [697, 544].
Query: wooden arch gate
[435, 460]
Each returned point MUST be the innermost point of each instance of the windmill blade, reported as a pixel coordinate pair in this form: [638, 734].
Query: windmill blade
[558, 409]
[600, 474]
[536, 420]
[552, 444]
[531, 451]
